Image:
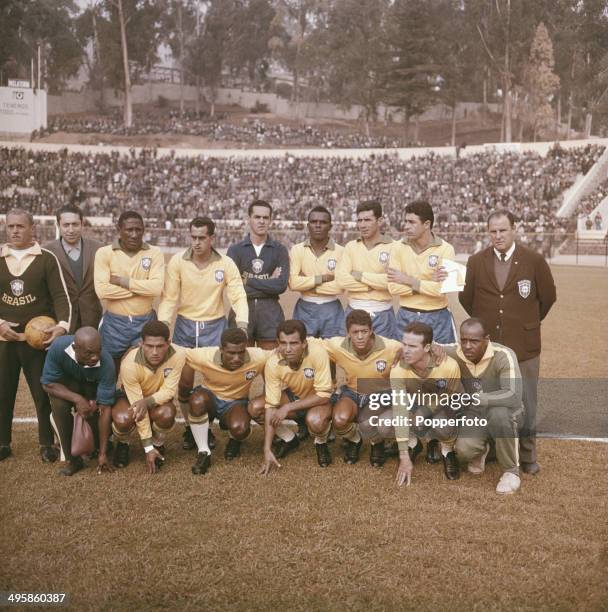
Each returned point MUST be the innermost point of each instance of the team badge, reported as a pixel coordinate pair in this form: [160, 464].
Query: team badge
[433, 260]
[380, 365]
[146, 263]
[249, 374]
[524, 287]
[309, 372]
[257, 265]
[219, 275]
[331, 264]
[477, 384]
[383, 257]
[441, 383]
[17, 287]
[167, 371]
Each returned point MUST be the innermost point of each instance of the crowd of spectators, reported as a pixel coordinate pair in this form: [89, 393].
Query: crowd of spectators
[591, 201]
[252, 132]
[169, 190]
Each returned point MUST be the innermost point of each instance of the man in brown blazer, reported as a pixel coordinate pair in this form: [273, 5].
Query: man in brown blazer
[76, 256]
[511, 288]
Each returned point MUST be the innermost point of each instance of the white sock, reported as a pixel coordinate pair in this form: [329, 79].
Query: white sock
[412, 442]
[285, 433]
[200, 432]
[352, 434]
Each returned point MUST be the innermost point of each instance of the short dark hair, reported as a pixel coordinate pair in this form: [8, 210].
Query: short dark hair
[372, 205]
[503, 212]
[319, 209]
[233, 335]
[476, 321]
[129, 214]
[422, 209]
[69, 209]
[203, 222]
[157, 329]
[420, 329]
[259, 203]
[20, 212]
[291, 326]
[358, 317]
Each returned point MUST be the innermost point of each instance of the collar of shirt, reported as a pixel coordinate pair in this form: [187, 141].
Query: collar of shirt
[69, 249]
[269, 241]
[435, 241]
[382, 239]
[71, 353]
[217, 359]
[508, 253]
[378, 345]
[482, 364]
[140, 358]
[34, 249]
[330, 246]
[116, 245]
[215, 256]
[432, 365]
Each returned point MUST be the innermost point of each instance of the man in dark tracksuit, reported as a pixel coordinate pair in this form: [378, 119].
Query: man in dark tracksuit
[264, 267]
[510, 287]
[31, 285]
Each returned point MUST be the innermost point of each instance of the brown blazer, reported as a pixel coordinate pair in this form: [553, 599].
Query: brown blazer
[86, 307]
[513, 315]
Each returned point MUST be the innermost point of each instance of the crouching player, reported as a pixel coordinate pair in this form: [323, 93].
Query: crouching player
[366, 359]
[78, 375]
[150, 375]
[298, 381]
[429, 386]
[228, 373]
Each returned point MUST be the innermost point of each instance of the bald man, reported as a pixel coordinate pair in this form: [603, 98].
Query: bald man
[79, 376]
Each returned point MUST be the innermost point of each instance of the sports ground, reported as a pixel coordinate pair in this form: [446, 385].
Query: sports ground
[334, 539]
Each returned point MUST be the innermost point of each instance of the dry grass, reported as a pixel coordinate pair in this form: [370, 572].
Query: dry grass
[312, 539]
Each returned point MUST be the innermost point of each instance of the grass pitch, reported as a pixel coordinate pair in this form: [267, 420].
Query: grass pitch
[334, 539]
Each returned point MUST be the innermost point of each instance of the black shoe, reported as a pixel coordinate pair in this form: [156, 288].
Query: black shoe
[391, 450]
[530, 468]
[302, 432]
[232, 450]
[74, 465]
[5, 452]
[415, 451]
[376, 455]
[211, 441]
[120, 457]
[323, 455]
[451, 467]
[282, 449]
[433, 454]
[491, 457]
[49, 454]
[202, 464]
[188, 442]
[351, 451]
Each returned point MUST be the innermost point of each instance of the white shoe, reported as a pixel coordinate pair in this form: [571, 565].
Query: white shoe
[478, 465]
[508, 483]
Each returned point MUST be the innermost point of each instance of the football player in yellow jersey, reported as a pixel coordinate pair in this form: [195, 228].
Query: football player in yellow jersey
[429, 386]
[366, 359]
[228, 372]
[298, 380]
[150, 375]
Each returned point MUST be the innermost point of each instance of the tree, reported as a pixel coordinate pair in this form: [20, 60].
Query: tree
[540, 82]
[25, 26]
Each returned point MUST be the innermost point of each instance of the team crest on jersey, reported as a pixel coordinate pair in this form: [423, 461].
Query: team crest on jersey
[477, 384]
[219, 275]
[524, 287]
[17, 287]
[441, 383]
[433, 260]
[146, 263]
[249, 374]
[331, 264]
[383, 257]
[167, 371]
[257, 265]
[309, 372]
[380, 365]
